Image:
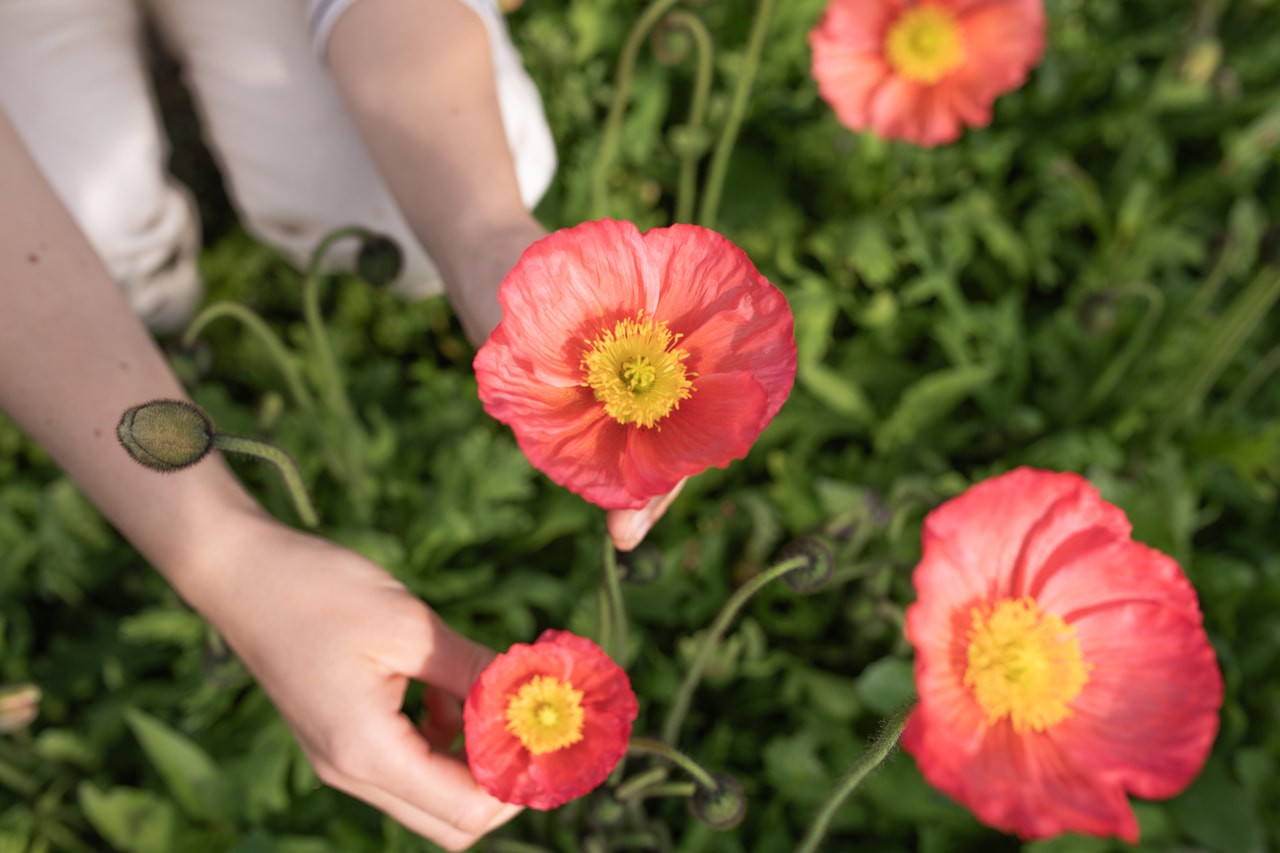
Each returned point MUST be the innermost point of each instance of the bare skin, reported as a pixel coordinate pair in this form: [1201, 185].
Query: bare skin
[442, 151]
[310, 619]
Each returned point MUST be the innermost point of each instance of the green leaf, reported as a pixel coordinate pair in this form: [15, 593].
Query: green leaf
[928, 401]
[130, 819]
[1218, 813]
[188, 771]
[887, 685]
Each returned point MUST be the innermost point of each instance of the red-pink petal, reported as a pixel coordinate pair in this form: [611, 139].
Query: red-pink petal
[716, 425]
[1149, 713]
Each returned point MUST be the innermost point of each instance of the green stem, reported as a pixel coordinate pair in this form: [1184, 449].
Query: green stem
[688, 185]
[284, 463]
[684, 695]
[621, 90]
[676, 757]
[641, 782]
[1123, 360]
[617, 637]
[737, 111]
[270, 340]
[1238, 322]
[331, 374]
[876, 753]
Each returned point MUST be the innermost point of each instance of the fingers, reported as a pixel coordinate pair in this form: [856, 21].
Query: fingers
[444, 720]
[426, 649]
[628, 527]
[392, 768]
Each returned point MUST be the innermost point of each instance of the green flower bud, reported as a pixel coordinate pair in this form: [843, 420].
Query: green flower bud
[379, 260]
[817, 568]
[166, 435]
[722, 807]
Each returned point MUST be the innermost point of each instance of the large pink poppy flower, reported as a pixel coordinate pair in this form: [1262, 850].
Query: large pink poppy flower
[918, 70]
[1060, 665]
[548, 722]
[626, 362]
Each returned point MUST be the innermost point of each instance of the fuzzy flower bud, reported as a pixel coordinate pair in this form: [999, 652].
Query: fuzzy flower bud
[721, 807]
[166, 435]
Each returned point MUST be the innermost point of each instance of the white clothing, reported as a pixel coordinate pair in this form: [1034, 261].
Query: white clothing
[74, 83]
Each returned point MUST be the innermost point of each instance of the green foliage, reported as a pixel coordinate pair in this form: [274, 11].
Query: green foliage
[1085, 285]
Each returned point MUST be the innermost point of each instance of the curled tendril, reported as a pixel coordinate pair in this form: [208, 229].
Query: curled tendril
[819, 563]
[721, 807]
[671, 40]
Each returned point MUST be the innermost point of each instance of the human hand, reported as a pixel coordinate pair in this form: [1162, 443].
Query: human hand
[334, 640]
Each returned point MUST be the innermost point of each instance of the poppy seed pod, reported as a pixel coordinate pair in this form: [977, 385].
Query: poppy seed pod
[166, 435]
[379, 260]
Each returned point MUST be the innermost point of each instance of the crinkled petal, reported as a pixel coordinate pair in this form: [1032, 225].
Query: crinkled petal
[1027, 785]
[1148, 715]
[716, 425]
[565, 289]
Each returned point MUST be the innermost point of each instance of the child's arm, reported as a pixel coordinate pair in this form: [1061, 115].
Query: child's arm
[332, 638]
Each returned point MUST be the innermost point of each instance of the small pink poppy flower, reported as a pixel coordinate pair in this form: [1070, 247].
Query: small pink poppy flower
[918, 70]
[1061, 666]
[626, 362]
[548, 722]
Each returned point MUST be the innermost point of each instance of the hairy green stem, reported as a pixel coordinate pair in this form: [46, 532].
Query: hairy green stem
[270, 341]
[676, 757]
[621, 90]
[1123, 360]
[616, 635]
[641, 782]
[283, 462]
[335, 391]
[878, 750]
[684, 695]
[737, 111]
[688, 186]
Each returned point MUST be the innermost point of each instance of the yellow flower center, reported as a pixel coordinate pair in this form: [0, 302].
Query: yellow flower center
[546, 714]
[634, 370]
[924, 44]
[1024, 665]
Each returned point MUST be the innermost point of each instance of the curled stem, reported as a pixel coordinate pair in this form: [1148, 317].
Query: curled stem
[621, 90]
[331, 374]
[877, 751]
[684, 695]
[675, 756]
[688, 185]
[270, 340]
[284, 464]
[737, 110]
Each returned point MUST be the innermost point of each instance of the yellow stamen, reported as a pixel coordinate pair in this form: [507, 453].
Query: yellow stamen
[924, 44]
[546, 714]
[1024, 664]
[636, 372]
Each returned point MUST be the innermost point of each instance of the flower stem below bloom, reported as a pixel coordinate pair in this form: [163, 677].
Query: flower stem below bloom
[877, 751]
[284, 464]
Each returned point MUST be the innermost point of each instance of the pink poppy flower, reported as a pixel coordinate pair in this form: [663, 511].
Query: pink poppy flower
[1060, 665]
[548, 722]
[626, 362]
[918, 70]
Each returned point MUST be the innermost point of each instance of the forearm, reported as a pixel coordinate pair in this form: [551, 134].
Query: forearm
[73, 357]
[418, 80]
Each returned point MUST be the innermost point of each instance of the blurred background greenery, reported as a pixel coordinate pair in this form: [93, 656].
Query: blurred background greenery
[1085, 285]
